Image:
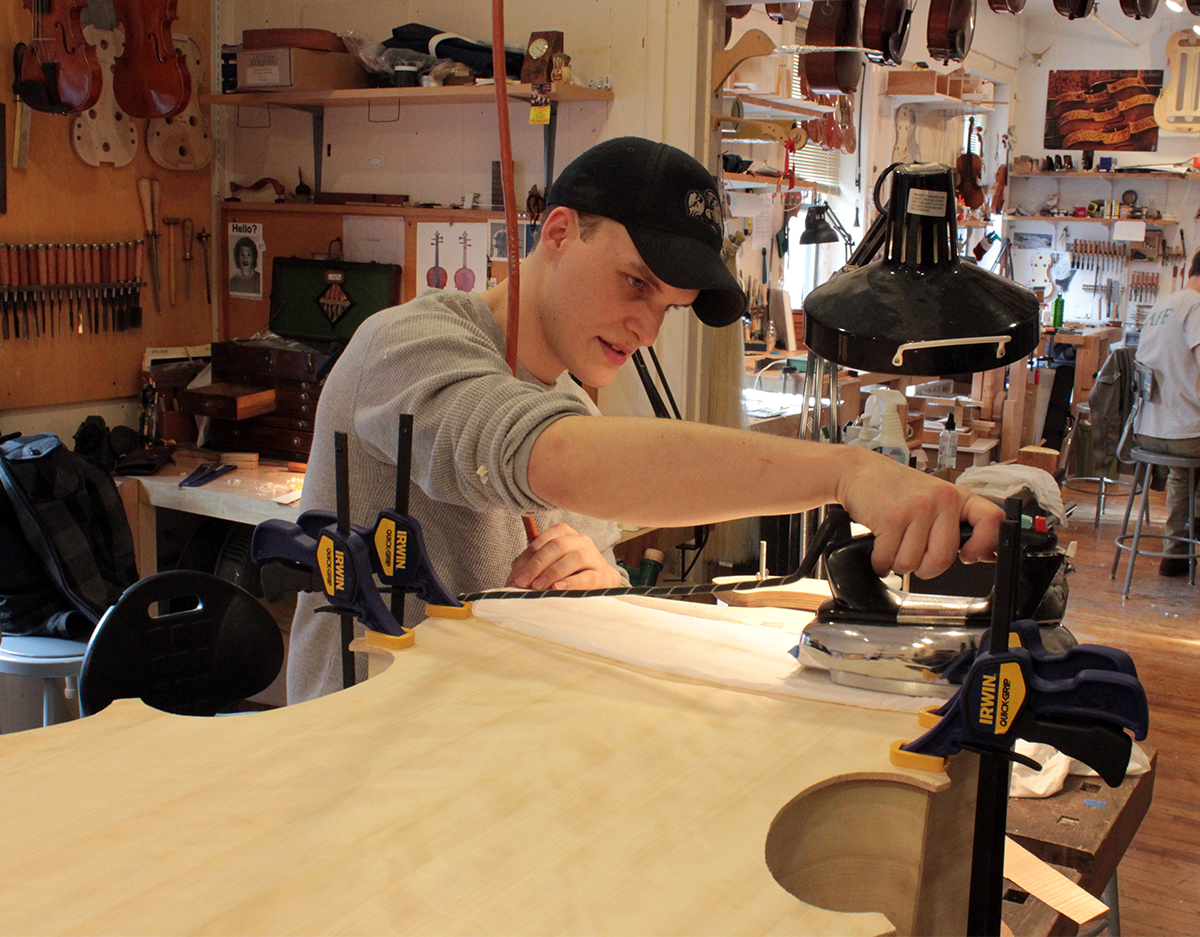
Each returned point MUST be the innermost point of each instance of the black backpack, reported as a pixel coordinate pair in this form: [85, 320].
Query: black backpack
[66, 550]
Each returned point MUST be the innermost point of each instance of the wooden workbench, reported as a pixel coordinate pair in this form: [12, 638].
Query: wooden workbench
[486, 783]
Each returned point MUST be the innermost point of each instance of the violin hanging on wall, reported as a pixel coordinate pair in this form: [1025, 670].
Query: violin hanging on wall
[969, 167]
[1074, 9]
[57, 71]
[833, 23]
[1139, 9]
[950, 29]
[885, 30]
[150, 78]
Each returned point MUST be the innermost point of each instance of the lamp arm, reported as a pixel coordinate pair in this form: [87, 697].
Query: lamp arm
[836, 223]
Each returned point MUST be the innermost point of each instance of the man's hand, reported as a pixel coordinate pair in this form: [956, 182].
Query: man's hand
[562, 558]
[916, 518]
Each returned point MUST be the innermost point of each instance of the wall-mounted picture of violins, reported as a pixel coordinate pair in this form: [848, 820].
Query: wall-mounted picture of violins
[57, 71]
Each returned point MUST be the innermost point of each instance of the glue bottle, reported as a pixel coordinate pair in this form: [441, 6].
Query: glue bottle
[948, 445]
[892, 442]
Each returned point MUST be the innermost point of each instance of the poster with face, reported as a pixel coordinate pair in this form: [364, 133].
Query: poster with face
[246, 250]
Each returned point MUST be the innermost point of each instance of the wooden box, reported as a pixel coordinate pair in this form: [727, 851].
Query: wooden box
[228, 401]
[917, 83]
[288, 373]
[298, 70]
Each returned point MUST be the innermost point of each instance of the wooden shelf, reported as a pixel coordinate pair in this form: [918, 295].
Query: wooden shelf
[359, 97]
[1063, 219]
[745, 180]
[1111, 176]
[764, 106]
[369, 208]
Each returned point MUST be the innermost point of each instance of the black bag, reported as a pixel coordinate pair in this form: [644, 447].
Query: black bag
[475, 55]
[66, 545]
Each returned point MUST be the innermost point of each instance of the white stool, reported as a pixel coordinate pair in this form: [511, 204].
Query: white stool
[50, 659]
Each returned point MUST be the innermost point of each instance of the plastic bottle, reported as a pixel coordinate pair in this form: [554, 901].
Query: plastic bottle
[647, 573]
[892, 442]
[948, 445]
[1056, 318]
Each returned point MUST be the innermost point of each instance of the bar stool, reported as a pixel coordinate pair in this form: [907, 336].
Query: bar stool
[1104, 487]
[50, 659]
[1144, 460]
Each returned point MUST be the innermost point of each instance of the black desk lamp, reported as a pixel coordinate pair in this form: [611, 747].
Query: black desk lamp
[920, 309]
[822, 226]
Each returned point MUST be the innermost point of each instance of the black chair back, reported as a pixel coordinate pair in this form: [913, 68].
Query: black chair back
[222, 647]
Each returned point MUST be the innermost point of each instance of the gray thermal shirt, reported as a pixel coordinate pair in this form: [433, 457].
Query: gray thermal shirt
[439, 358]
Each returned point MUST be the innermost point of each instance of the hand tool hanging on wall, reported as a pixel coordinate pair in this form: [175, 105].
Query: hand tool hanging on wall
[59, 289]
[148, 195]
[204, 237]
[171, 224]
[187, 234]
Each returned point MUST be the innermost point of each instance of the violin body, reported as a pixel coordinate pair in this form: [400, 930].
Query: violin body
[150, 77]
[101, 134]
[1074, 9]
[885, 30]
[951, 27]
[1183, 59]
[968, 169]
[833, 23]
[57, 71]
[183, 141]
[1139, 9]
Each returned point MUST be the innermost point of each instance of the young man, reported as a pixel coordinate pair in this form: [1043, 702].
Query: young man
[1170, 422]
[632, 233]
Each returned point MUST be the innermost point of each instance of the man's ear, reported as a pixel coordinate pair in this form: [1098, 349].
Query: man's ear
[559, 226]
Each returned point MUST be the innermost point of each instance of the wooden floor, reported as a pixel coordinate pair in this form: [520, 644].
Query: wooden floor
[1160, 628]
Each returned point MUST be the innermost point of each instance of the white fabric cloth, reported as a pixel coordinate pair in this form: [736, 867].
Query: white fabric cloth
[998, 482]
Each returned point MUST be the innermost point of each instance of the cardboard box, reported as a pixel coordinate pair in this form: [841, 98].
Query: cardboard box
[298, 70]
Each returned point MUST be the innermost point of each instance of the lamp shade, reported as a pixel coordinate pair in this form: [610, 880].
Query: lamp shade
[816, 229]
[920, 310]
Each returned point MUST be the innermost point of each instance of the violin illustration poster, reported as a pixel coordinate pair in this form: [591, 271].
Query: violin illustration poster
[246, 253]
[1095, 109]
[452, 256]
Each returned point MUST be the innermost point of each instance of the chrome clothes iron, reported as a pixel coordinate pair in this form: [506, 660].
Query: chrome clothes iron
[875, 637]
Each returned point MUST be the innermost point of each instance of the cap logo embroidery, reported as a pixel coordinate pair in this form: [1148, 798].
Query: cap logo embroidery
[705, 205]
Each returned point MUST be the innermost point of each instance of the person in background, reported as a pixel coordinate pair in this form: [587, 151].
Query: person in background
[1170, 420]
[632, 233]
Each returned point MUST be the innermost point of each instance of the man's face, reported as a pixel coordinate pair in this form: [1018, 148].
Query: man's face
[601, 305]
[245, 260]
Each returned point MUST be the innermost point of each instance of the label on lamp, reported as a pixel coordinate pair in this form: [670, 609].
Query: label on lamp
[927, 202]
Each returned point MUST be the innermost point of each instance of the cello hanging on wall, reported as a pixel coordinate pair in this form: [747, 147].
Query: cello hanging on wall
[57, 71]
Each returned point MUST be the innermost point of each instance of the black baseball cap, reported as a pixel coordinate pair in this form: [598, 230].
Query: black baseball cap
[671, 207]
